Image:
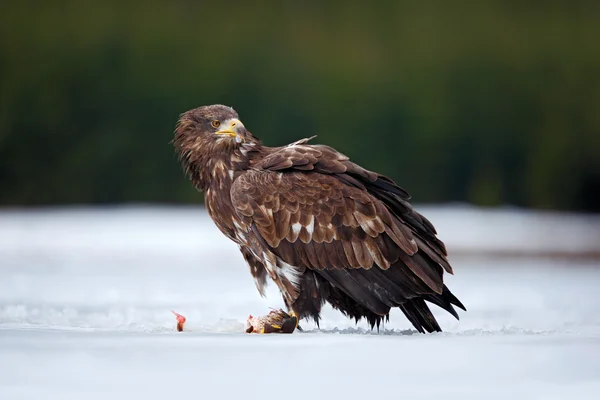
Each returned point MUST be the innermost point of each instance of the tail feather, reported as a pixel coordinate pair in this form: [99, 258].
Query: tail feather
[420, 315]
[445, 301]
[453, 299]
[371, 293]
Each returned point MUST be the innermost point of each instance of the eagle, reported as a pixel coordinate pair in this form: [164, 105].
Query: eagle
[321, 227]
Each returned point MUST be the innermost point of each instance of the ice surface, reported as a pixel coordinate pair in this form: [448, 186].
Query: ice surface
[86, 294]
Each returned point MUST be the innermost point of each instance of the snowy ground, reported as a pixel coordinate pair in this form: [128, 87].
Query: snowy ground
[85, 300]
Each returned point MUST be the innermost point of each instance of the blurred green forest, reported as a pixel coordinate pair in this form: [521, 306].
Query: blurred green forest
[492, 102]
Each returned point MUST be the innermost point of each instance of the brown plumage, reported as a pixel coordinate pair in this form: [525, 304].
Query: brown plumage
[321, 227]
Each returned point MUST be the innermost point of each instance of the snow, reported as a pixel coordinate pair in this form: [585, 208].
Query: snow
[86, 294]
[515, 231]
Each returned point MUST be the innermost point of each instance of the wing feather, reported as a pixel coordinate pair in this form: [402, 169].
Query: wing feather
[315, 209]
[311, 255]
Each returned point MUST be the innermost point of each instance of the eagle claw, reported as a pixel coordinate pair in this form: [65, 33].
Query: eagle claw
[289, 325]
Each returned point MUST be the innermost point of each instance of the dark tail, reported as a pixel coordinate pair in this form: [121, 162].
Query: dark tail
[419, 314]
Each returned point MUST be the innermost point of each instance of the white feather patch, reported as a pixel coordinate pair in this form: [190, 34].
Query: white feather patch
[271, 267]
[311, 225]
[296, 228]
[293, 274]
[238, 226]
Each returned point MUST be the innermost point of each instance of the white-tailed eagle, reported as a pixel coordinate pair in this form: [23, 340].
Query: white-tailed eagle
[323, 228]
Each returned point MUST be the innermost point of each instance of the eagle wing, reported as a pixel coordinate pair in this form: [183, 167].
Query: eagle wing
[314, 209]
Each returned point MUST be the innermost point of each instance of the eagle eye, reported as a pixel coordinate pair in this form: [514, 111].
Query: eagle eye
[216, 123]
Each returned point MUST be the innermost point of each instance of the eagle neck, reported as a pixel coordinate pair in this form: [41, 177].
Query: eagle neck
[218, 171]
[216, 180]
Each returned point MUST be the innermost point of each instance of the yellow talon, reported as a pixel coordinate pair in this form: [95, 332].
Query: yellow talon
[293, 314]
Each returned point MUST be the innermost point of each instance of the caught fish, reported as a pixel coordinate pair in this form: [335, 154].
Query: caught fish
[277, 321]
[180, 321]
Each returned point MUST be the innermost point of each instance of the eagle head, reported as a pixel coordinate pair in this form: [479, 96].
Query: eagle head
[206, 137]
[215, 124]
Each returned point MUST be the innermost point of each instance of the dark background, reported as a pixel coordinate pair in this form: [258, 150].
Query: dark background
[492, 103]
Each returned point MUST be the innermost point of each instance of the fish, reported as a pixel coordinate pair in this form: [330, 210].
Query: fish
[276, 321]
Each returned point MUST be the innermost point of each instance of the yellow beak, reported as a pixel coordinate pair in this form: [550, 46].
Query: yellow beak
[231, 128]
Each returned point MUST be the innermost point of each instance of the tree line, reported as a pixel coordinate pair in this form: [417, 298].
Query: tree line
[491, 103]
